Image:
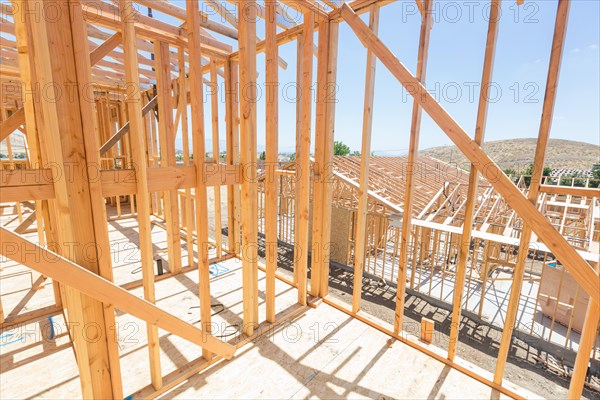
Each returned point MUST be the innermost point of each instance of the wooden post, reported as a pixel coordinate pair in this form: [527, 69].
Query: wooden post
[247, 92]
[198, 137]
[167, 150]
[183, 111]
[427, 329]
[413, 150]
[303, 160]
[272, 125]
[465, 240]
[214, 102]
[321, 208]
[134, 105]
[77, 212]
[363, 193]
[37, 156]
[586, 344]
[560, 28]
[299, 61]
[327, 169]
[232, 121]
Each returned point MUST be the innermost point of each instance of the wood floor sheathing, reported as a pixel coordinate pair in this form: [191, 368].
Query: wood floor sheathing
[324, 353]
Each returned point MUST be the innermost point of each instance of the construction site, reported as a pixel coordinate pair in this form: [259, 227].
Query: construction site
[151, 247]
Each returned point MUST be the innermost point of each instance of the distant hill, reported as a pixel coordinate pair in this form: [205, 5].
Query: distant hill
[519, 153]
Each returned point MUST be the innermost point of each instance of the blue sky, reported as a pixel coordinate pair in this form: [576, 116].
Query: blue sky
[455, 64]
[454, 71]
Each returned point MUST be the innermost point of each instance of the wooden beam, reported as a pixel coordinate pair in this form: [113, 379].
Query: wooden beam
[14, 247]
[272, 153]
[114, 139]
[183, 112]
[301, 244]
[249, 192]
[329, 122]
[233, 154]
[74, 216]
[214, 106]
[220, 8]
[134, 105]
[167, 151]
[570, 191]
[37, 184]
[365, 160]
[179, 13]
[413, 151]
[321, 229]
[560, 28]
[579, 268]
[465, 238]
[106, 15]
[22, 227]
[299, 59]
[199, 152]
[106, 47]
[24, 45]
[308, 7]
[12, 123]
[586, 345]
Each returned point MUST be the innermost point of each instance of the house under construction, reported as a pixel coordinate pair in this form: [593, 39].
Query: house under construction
[131, 269]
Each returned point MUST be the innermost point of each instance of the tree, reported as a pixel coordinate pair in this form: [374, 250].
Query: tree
[546, 172]
[263, 156]
[293, 157]
[340, 149]
[595, 175]
[512, 173]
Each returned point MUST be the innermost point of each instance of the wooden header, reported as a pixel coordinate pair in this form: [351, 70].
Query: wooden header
[38, 184]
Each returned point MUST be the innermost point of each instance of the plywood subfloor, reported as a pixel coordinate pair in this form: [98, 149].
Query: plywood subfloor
[327, 354]
[31, 350]
[323, 353]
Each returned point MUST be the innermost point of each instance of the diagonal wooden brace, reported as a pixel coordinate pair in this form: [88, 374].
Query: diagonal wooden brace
[583, 273]
[68, 273]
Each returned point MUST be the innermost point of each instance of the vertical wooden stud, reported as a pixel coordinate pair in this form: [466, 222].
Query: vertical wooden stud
[413, 150]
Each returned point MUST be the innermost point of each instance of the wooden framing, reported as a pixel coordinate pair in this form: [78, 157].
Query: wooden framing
[322, 187]
[249, 216]
[412, 154]
[167, 150]
[584, 274]
[214, 105]
[538, 166]
[134, 105]
[271, 156]
[123, 118]
[301, 246]
[359, 251]
[199, 152]
[233, 154]
[465, 240]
